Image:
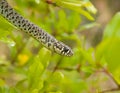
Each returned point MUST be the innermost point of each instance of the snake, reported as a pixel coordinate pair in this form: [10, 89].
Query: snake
[47, 40]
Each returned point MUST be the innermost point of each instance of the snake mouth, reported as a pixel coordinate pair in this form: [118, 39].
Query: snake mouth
[67, 51]
[70, 53]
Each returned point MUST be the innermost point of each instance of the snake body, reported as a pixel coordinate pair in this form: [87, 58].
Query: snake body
[33, 30]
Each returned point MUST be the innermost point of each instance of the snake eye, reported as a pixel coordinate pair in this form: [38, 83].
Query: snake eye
[65, 49]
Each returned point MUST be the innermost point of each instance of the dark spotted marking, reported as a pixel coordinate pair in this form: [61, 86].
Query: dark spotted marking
[33, 30]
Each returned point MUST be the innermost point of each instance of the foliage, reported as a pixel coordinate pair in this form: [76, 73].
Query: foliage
[108, 50]
[30, 68]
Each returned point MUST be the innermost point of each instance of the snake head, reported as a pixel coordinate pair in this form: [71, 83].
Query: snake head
[62, 49]
[67, 51]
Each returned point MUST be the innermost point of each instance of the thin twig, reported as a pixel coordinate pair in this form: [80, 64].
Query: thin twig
[57, 65]
[66, 68]
[111, 76]
[113, 79]
[51, 2]
[110, 90]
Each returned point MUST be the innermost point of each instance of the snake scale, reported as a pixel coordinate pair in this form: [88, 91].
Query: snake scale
[33, 30]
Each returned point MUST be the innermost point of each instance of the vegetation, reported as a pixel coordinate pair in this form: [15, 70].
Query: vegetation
[28, 67]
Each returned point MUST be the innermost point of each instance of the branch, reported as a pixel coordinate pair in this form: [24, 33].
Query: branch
[111, 76]
[111, 90]
[50, 2]
[57, 65]
[113, 79]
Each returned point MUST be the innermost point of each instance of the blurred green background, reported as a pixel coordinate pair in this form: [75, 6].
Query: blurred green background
[90, 28]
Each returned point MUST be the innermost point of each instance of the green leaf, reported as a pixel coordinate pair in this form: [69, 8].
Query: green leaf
[88, 70]
[43, 53]
[35, 91]
[76, 85]
[88, 26]
[74, 21]
[57, 76]
[5, 30]
[78, 6]
[56, 92]
[109, 50]
[8, 90]
[2, 82]
[62, 19]
[113, 28]
[34, 74]
[13, 90]
[5, 26]
[4, 90]
[8, 41]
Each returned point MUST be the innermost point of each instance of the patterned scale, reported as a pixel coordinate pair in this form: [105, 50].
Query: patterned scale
[33, 30]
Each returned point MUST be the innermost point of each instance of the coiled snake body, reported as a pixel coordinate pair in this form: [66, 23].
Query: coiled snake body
[33, 30]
